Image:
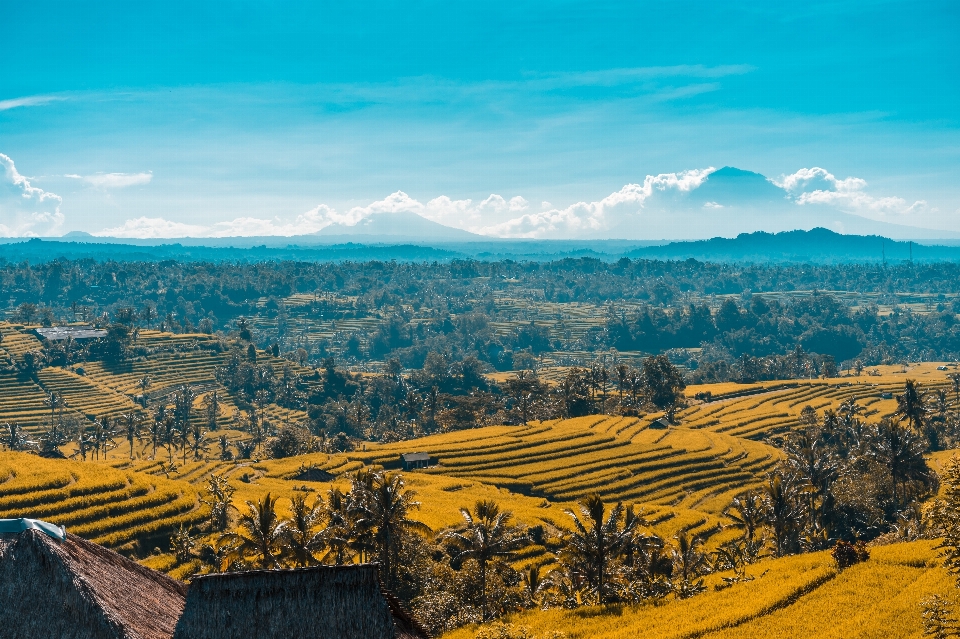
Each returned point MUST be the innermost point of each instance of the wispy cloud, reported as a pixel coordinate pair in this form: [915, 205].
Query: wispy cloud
[33, 100]
[114, 180]
[26, 210]
[616, 77]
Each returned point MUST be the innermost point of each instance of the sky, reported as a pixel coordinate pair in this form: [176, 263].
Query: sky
[166, 119]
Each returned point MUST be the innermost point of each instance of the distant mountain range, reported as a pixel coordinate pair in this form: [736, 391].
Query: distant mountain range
[815, 246]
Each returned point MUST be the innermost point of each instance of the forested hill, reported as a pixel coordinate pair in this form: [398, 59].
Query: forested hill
[819, 246]
[816, 246]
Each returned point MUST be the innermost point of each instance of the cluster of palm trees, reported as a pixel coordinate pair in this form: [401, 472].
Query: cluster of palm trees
[842, 479]
[370, 522]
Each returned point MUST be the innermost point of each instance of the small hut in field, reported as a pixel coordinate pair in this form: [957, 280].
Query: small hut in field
[325, 602]
[53, 584]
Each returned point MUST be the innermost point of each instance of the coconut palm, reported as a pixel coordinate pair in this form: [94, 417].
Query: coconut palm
[384, 508]
[303, 536]
[338, 533]
[688, 564]
[596, 542]
[784, 512]
[747, 512]
[487, 535]
[900, 450]
[261, 535]
[912, 408]
[132, 428]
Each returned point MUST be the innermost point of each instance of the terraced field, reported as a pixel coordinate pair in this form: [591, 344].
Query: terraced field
[799, 596]
[22, 402]
[86, 396]
[109, 506]
[774, 407]
[624, 459]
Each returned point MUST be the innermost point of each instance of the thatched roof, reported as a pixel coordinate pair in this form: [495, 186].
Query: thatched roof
[74, 589]
[325, 602]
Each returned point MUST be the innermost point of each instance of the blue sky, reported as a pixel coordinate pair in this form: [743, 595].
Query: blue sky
[173, 118]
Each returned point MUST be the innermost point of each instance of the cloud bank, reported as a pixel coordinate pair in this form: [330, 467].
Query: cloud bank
[26, 210]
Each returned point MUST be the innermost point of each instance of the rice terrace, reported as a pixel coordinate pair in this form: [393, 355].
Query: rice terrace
[497, 320]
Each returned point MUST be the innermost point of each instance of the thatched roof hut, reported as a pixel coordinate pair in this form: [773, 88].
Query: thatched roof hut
[325, 602]
[74, 589]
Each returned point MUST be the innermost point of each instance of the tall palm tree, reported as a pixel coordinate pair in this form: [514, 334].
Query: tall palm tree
[689, 563]
[338, 533]
[303, 536]
[784, 512]
[912, 407]
[385, 509]
[597, 541]
[132, 428]
[487, 535]
[901, 451]
[747, 513]
[261, 534]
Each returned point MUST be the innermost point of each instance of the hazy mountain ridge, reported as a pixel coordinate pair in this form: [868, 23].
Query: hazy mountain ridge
[818, 245]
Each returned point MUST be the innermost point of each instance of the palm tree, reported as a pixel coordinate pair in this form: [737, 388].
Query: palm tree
[302, 535]
[901, 451]
[784, 512]
[912, 407]
[133, 428]
[384, 508]
[596, 541]
[338, 533]
[261, 534]
[689, 563]
[747, 513]
[486, 536]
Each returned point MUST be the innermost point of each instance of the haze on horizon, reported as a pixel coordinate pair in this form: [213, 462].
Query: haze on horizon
[562, 120]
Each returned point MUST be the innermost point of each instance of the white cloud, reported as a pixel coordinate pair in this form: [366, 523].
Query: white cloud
[114, 180]
[819, 186]
[593, 217]
[712, 205]
[26, 210]
[33, 100]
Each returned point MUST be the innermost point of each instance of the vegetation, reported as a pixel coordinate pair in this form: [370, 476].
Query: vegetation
[716, 439]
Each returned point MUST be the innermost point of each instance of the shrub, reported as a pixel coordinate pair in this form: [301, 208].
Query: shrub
[847, 554]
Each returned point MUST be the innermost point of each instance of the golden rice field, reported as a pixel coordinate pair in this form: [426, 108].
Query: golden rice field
[93, 500]
[798, 596]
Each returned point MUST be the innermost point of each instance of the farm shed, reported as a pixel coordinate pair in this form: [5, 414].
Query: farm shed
[73, 589]
[324, 602]
[411, 461]
[78, 333]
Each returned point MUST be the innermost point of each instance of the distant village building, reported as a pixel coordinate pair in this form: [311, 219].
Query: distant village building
[53, 584]
[412, 461]
[78, 333]
[324, 602]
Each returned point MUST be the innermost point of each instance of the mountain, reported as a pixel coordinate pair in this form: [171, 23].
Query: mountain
[818, 246]
[731, 201]
[392, 226]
